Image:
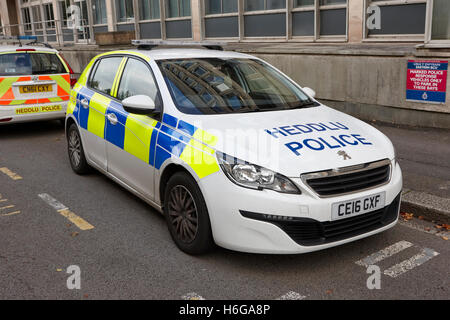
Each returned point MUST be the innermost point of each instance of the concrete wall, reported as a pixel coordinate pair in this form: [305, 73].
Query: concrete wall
[359, 82]
[369, 83]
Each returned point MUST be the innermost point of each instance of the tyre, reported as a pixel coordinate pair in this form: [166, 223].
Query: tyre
[186, 215]
[76, 153]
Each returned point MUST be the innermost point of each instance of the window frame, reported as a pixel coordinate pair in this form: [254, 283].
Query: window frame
[392, 37]
[149, 20]
[94, 70]
[167, 18]
[106, 15]
[429, 42]
[158, 94]
[288, 11]
[116, 13]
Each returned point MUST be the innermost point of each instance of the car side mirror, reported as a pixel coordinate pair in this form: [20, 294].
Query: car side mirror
[310, 92]
[139, 104]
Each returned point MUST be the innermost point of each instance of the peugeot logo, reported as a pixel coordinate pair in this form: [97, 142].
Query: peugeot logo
[344, 154]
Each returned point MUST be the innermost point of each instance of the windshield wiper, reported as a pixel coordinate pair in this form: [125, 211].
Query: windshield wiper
[305, 103]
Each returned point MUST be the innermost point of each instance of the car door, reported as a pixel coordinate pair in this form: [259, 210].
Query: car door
[131, 138]
[93, 102]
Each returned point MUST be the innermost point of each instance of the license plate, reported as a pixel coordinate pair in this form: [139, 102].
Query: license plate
[36, 88]
[28, 110]
[355, 207]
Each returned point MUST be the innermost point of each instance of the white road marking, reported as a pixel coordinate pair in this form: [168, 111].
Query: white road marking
[192, 296]
[291, 295]
[384, 253]
[52, 202]
[409, 264]
[65, 212]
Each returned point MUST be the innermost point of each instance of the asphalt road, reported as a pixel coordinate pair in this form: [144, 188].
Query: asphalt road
[129, 254]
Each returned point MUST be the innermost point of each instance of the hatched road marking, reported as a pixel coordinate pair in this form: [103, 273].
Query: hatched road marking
[192, 296]
[385, 253]
[409, 264]
[291, 295]
[5, 208]
[425, 255]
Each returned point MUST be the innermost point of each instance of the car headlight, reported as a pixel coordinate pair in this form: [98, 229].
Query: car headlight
[253, 176]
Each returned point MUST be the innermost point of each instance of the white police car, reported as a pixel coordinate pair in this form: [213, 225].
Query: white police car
[231, 151]
[35, 81]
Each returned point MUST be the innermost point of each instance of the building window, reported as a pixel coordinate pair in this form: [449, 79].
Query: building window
[36, 12]
[332, 2]
[399, 18]
[149, 9]
[63, 6]
[99, 11]
[440, 29]
[26, 19]
[303, 3]
[178, 8]
[259, 5]
[221, 6]
[49, 16]
[124, 10]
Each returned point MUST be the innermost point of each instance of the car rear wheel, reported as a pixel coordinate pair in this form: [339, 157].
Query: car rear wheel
[75, 149]
[186, 215]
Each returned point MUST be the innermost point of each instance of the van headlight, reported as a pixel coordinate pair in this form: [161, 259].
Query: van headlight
[253, 176]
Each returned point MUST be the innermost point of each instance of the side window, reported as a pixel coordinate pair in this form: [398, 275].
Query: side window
[105, 71]
[137, 79]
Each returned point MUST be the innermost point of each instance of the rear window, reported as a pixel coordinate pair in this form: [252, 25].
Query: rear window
[24, 63]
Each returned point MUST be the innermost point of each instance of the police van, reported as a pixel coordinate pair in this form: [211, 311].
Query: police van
[231, 151]
[35, 81]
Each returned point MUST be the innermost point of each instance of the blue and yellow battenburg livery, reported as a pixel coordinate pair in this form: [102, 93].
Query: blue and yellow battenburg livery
[149, 140]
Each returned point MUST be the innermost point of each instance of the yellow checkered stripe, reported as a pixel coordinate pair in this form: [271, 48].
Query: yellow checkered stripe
[199, 156]
[138, 133]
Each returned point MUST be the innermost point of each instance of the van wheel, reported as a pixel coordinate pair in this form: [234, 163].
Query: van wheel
[186, 215]
[76, 153]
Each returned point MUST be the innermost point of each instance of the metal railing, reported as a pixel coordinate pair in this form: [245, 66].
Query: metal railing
[56, 32]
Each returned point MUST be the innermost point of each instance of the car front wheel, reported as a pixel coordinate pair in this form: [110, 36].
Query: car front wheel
[186, 215]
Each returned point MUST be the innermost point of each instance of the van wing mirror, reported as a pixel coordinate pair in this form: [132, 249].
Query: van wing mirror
[139, 104]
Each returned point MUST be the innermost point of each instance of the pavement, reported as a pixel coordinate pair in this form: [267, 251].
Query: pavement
[424, 156]
[125, 250]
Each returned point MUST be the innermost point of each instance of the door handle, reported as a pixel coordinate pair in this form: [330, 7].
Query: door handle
[85, 103]
[112, 118]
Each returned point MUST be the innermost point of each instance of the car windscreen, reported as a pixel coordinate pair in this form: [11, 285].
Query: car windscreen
[29, 63]
[221, 86]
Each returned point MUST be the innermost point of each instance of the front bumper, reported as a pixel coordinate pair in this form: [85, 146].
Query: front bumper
[234, 229]
[8, 114]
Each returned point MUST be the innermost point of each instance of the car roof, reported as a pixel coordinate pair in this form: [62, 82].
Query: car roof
[177, 53]
[10, 48]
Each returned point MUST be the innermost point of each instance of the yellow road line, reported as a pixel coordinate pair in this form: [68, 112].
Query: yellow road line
[10, 174]
[3, 200]
[76, 220]
[7, 207]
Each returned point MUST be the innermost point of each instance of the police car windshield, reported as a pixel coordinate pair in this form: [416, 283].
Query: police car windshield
[221, 86]
[24, 63]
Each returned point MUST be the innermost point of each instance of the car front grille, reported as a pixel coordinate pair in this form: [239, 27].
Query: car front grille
[348, 179]
[310, 232]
